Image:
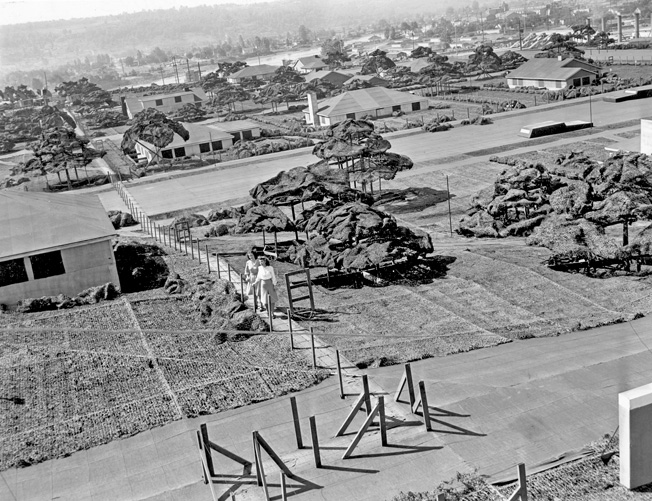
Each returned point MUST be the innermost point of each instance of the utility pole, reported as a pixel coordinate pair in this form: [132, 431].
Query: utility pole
[520, 31]
[45, 97]
[188, 66]
[199, 70]
[123, 67]
[162, 77]
[176, 69]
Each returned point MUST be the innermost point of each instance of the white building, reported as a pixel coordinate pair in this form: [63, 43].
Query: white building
[164, 102]
[53, 244]
[553, 73]
[356, 104]
[205, 138]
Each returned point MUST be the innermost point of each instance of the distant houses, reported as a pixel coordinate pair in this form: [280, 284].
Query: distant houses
[163, 102]
[356, 104]
[53, 244]
[260, 72]
[307, 64]
[553, 73]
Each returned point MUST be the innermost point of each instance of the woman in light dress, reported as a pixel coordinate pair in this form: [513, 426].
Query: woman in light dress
[251, 273]
[267, 282]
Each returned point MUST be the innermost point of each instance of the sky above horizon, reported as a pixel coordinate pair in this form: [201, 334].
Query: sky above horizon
[28, 11]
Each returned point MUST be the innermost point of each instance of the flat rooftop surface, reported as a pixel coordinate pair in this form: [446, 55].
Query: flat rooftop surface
[525, 401]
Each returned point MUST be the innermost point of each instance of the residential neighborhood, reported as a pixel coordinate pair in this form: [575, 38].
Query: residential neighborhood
[270, 250]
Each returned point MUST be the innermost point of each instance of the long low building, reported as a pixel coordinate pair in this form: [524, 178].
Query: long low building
[553, 73]
[53, 244]
[165, 103]
[205, 138]
[356, 104]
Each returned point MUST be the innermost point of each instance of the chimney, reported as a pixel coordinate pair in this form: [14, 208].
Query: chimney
[123, 105]
[560, 57]
[620, 26]
[312, 108]
[637, 23]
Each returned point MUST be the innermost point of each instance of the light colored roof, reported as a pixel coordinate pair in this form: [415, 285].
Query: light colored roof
[254, 71]
[548, 68]
[310, 61]
[313, 75]
[198, 134]
[37, 222]
[315, 64]
[235, 125]
[371, 99]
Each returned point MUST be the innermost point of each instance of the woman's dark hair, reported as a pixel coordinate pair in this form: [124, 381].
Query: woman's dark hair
[264, 261]
[251, 255]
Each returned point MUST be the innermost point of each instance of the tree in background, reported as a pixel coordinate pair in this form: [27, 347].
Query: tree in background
[304, 35]
[333, 53]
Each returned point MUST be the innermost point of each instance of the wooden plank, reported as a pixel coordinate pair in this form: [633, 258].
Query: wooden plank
[228, 454]
[259, 480]
[358, 436]
[410, 382]
[339, 373]
[312, 299]
[274, 457]
[297, 424]
[367, 396]
[284, 489]
[315, 441]
[424, 406]
[312, 347]
[401, 385]
[263, 479]
[383, 423]
[356, 407]
[205, 441]
[300, 298]
[208, 481]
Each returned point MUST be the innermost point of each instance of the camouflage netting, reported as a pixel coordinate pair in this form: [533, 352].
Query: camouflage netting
[303, 184]
[140, 266]
[577, 239]
[566, 208]
[153, 127]
[263, 217]
[642, 242]
[121, 219]
[355, 236]
[384, 166]
[91, 295]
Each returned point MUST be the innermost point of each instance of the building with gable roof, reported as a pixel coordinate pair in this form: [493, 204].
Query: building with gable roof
[307, 64]
[163, 102]
[357, 104]
[335, 78]
[53, 244]
[553, 73]
[260, 72]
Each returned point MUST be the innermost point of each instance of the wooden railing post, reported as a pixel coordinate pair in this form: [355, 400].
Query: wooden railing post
[315, 441]
[297, 424]
[339, 373]
[312, 346]
[367, 397]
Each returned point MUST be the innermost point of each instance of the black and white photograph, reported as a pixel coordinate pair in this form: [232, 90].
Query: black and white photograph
[325, 250]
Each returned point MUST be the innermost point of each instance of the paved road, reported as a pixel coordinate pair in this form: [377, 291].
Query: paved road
[491, 409]
[429, 152]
